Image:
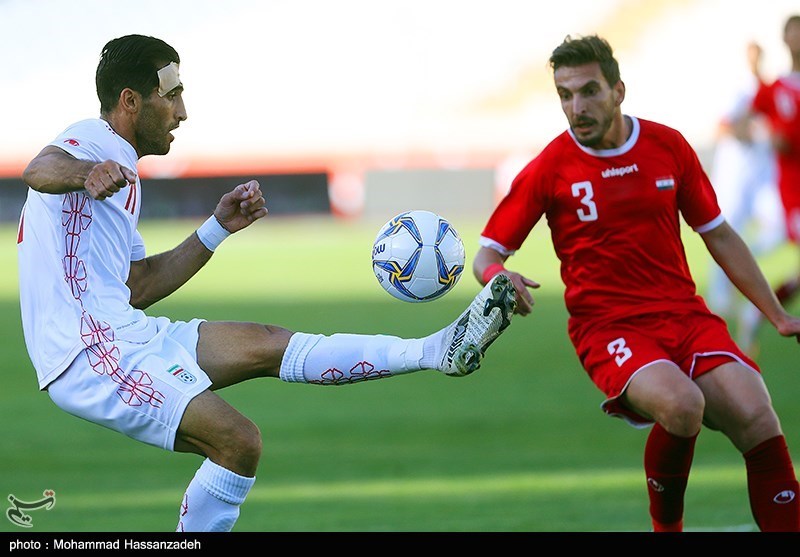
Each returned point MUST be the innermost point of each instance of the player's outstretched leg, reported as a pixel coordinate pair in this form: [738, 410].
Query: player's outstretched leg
[465, 341]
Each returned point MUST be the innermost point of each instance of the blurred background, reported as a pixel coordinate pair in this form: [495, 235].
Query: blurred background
[357, 107]
[349, 112]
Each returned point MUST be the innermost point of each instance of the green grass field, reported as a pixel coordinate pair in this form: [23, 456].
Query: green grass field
[520, 446]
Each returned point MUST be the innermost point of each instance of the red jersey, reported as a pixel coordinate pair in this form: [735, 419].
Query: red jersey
[614, 220]
[780, 103]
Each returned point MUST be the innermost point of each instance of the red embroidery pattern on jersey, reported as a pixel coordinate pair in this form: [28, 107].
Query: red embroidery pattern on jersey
[104, 359]
[94, 331]
[130, 203]
[21, 226]
[137, 389]
[76, 216]
[98, 336]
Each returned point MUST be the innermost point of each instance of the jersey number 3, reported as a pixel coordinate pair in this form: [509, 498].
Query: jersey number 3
[620, 352]
[589, 210]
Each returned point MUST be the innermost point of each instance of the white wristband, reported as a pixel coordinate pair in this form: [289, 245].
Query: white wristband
[211, 233]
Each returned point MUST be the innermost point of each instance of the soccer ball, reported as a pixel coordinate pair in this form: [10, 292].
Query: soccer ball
[418, 256]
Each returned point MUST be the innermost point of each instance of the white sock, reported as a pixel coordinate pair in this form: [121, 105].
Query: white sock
[348, 358]
[211, 502]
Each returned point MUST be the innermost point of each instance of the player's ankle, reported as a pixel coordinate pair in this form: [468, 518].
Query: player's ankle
[667, 527]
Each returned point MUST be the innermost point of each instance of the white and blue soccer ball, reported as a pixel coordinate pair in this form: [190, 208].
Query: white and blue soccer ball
[418, 256]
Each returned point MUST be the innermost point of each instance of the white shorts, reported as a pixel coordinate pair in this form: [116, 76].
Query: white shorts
[140, 389]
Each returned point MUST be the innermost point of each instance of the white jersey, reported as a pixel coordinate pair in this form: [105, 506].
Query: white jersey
[74, 259]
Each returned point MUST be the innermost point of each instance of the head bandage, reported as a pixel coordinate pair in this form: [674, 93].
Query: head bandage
[168, 79]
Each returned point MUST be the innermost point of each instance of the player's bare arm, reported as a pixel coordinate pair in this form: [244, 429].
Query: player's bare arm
[55, 171]
[156, 277]
[487, 258]
[732, 254]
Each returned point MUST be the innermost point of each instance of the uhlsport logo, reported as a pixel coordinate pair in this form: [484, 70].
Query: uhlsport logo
[619, 171]
[16, 512]
[654, 485]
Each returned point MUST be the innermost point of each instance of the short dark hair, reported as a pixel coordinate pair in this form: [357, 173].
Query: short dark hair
[585, 50]
[131, 61]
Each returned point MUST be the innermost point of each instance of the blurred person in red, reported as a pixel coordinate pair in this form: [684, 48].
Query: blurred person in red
[612, 189]
[743, 174]
[779, 101]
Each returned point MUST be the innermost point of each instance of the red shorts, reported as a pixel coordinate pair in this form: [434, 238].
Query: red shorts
[695, 341]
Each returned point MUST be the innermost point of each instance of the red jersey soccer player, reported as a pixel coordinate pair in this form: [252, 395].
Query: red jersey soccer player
[780, 103]
[612, 189]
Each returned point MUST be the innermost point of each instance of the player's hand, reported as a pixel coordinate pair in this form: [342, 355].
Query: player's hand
[107, 178]
[754, 55]
[779, 142]
[241, 207]
[522, 284]
[789, 326]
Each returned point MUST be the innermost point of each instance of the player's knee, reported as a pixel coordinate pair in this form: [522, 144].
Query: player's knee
[246, 444]
[238, 447]
[682, 413]
[753, 427]
[266, 353]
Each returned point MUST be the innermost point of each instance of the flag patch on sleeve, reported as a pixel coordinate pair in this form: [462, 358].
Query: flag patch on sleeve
[666, 183]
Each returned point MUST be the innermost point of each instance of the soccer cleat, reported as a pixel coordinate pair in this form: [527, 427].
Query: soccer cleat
[467, 339]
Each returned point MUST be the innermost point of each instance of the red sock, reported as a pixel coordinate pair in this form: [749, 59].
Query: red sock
[667, 461]
[773, 487]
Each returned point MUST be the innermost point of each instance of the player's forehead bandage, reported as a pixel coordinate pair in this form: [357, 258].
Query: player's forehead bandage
[168, 79]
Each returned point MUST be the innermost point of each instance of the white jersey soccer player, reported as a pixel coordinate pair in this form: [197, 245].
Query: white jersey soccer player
[75, 255]
[61, 322]
[85, 280]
